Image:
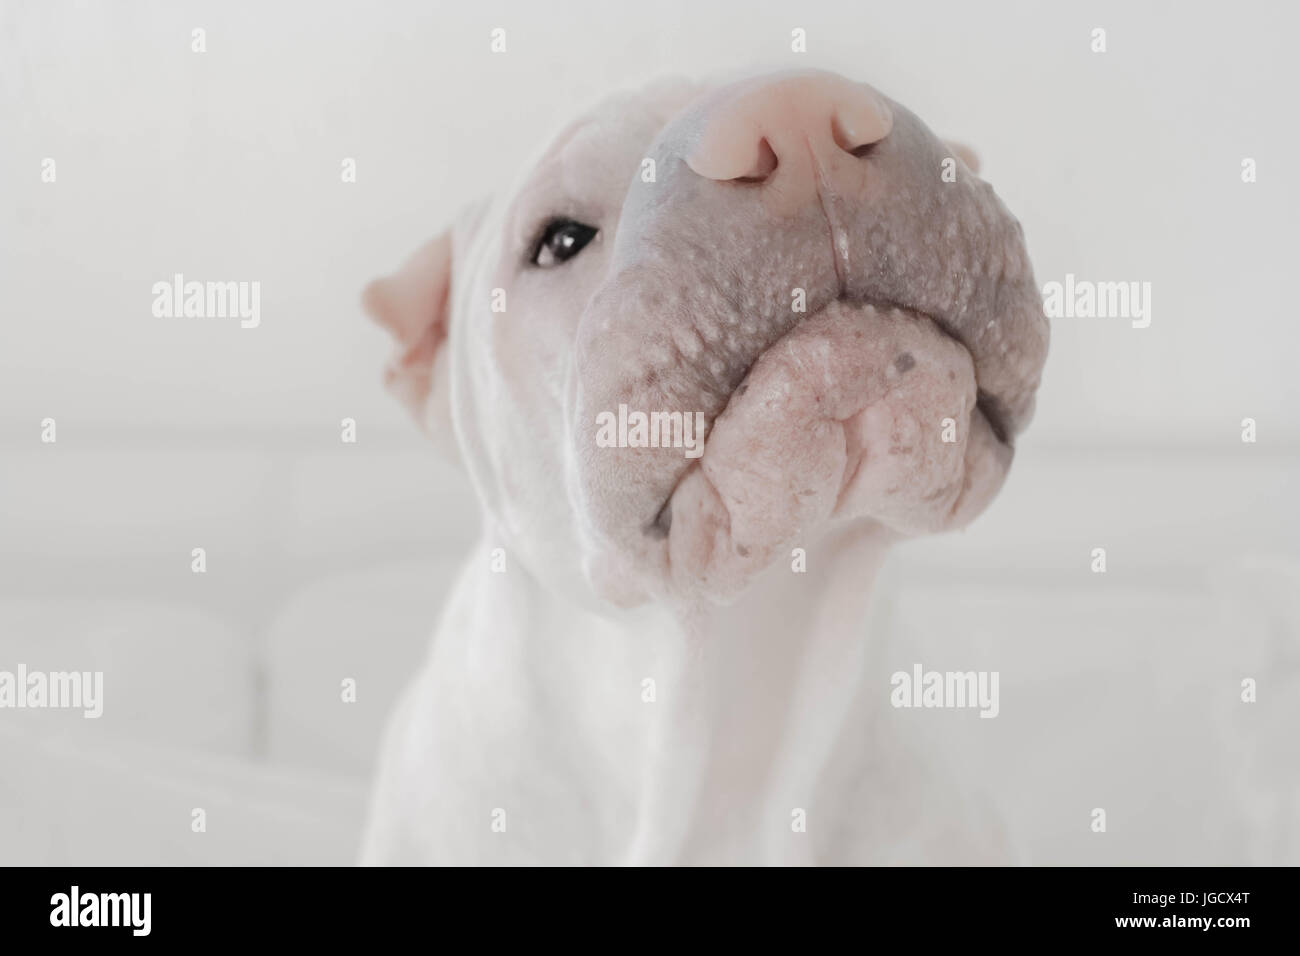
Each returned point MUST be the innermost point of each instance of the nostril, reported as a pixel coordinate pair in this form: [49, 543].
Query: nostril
[863, 151]
[728, 154]
[764, 164]
[860, 122]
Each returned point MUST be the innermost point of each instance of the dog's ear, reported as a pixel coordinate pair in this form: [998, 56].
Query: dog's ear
[413, 305]
[965, 154]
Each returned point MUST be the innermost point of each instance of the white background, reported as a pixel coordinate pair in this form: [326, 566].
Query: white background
[1121, 166]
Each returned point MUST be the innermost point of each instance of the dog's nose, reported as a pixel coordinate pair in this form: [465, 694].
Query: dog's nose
[800, 121]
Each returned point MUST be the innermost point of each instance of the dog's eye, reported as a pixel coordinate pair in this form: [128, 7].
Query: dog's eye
[561, 241]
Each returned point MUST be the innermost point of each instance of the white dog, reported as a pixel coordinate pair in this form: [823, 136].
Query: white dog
[655, 655]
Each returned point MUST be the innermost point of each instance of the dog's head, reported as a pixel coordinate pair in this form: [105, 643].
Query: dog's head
[794, 262]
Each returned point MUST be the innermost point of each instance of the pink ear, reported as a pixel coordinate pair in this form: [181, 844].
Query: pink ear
[412, 305]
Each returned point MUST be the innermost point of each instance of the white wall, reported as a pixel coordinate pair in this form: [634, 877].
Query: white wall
[1123, 165]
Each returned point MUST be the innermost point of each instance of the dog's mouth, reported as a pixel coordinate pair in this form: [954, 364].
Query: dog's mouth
[844, 415]
[988, 406]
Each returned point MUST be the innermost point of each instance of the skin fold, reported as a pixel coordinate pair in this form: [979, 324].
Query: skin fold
[851, 310]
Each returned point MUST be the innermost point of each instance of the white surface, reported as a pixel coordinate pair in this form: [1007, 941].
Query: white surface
[1119, 690]
[134, 806]
[372, 627]
[172, 674]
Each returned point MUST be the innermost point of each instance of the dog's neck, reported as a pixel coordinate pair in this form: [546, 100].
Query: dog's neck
[708, 724]
[767, 686]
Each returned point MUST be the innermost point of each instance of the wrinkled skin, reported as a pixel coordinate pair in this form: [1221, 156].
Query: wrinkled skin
[886, 406]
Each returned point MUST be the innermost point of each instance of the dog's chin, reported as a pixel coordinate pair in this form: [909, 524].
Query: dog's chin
[860, 411]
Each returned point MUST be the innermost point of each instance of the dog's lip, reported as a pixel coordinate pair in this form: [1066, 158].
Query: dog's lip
[986, 404]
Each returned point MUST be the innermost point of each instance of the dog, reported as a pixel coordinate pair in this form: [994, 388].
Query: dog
[654, 655]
